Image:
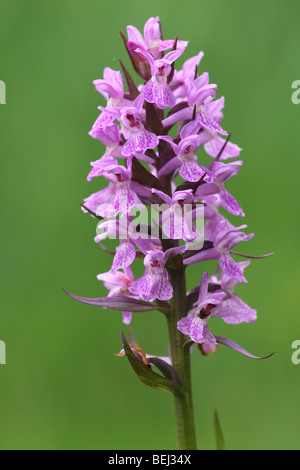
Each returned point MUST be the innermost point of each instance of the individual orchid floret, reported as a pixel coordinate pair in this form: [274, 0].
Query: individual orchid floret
[185, 160]
[139, 139]
[157, 89]
[155, 284]
[195, 324]
[110, 138]
[111, 88]
[188, 71]
[220, 303]
[177, 222]
[202, 110]
[213, 143]
[122, 229]
[119, 196]
[212, 203]
[234, 310]
[125, 252]
[225, 238]
[125, 197]
[118, 283]
[200, 95]
[222, 173]
[152, 40]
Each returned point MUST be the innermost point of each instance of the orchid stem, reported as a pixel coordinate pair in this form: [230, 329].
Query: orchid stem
[184, 412]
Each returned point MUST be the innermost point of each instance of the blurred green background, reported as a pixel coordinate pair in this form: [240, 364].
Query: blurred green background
[62, 387]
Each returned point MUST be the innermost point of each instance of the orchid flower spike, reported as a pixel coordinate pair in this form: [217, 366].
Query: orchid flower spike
[149, 209]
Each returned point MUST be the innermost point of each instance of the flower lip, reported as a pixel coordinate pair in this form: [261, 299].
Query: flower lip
[120, 178]
[154, 259]
[206, 311]
[187, 150]
[132, 121]
[162, 69]
[155, 264]
[130, 117]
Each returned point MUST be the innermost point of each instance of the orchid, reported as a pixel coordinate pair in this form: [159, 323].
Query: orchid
[234, 309]
[139, 139]
[188, 71]
[146, 168]
[119, 196]
[110, 138]
[185, 160]
[154, 284]
[152, 41]
[202, 107]
[222, 173]
[125, 253]
[118, 284]
[111, 88]
[221, 303]
[195, 324]
[175, 220]
[225, 238]
[157, 90]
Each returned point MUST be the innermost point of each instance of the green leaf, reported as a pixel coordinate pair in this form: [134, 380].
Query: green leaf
[166, 369]
[147, 375]
[218, 432]
[120, 303]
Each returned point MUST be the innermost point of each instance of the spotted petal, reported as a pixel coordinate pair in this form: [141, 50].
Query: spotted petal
[124, 257]
[231, 267]
[159, 94]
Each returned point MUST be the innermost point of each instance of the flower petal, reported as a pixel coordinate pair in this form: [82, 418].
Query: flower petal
[124, 257]
[231, 344]
[127, 317]
[209, 123]
[214, 146]
[231, 267]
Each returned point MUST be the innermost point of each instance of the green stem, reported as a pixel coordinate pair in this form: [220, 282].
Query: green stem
[184, 412]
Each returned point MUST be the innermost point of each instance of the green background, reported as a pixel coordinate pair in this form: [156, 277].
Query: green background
[62, 387]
